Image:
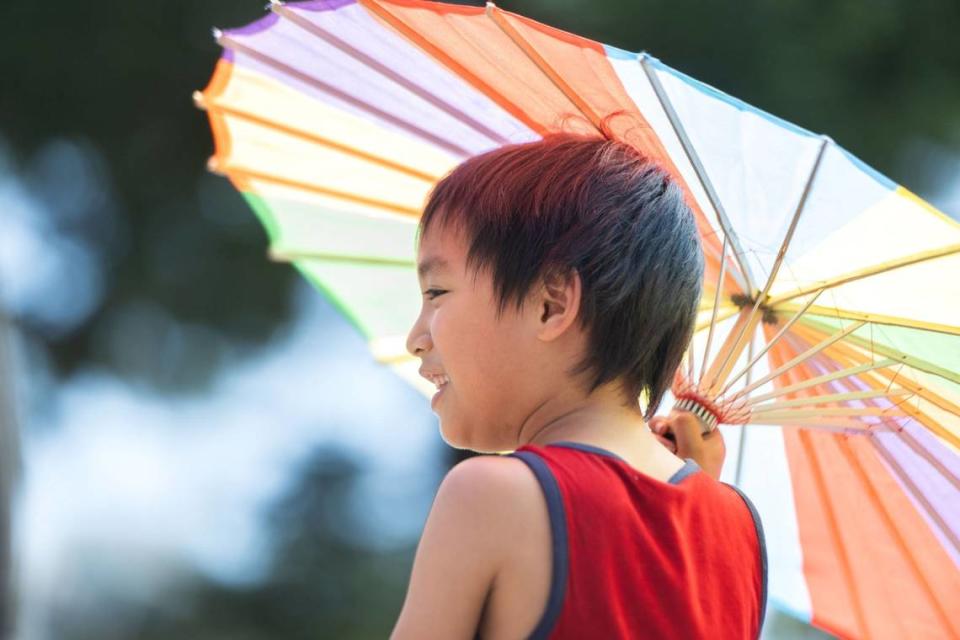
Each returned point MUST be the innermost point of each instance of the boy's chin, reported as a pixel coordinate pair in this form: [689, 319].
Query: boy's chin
[457, 439]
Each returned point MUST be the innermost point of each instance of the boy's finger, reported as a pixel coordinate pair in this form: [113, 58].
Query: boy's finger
[657, 424]
[688, 427]
[669, 444]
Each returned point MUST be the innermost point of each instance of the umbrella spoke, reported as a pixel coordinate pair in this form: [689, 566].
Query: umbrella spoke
[248, 174]
[874, 347]
[279, 255]
[903, 381]
[716, 304]
[773, 414]
[901, 432]
[835, 397]
[812, 382]
[785, 244]
[809, 353]
[719, 373]
[746, 324]
[752, 361]
[229, 43]
[372, 63]
[873, 270]
[838, 424]
[874, 318]
[698, 168]
[728, 312]
[845, 353]
[563, 86]
[212, 106]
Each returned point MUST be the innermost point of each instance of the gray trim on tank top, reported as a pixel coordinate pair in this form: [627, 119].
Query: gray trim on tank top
[558, 535]
[763, 552]
[690, 465]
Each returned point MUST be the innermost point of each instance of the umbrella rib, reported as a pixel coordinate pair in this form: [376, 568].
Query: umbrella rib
[874, 318]
[806, 355]
[278, 8]
[900, 430]
[280, 255]
[716, 303]
[926, 394]
[734, 352]
[496, 15]
[286, 182]
[853, 276]
[698, 168]
[911, 361]
[829, 377]
[838, 424]
[508, 30]
[741, 445]
[229, 43]
[845, 353]
[834, 397]
[728, 312]
[312, 137]
[827, 411]
[374, 8]
[746, 323]
[770, 343]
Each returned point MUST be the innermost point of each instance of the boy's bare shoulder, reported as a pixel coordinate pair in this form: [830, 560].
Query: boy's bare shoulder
[498, 494]
[479, 544]
[495, 482]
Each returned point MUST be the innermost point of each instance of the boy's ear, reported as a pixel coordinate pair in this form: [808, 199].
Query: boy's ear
[559, 303]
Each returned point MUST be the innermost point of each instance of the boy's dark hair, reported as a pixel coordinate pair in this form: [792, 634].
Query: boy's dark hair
[598, 206]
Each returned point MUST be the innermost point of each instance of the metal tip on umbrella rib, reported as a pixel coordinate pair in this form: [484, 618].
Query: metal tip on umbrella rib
[217, 33]
[198, 100]
[214, 166]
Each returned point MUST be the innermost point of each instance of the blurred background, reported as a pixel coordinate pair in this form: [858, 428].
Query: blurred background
[193, 444]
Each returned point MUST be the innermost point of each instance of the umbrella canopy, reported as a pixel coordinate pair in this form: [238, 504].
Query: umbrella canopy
[828, 334]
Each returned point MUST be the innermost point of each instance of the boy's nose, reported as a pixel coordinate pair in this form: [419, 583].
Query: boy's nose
[418, 341]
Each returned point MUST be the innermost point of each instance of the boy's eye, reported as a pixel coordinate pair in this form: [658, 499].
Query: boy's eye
[433, 293]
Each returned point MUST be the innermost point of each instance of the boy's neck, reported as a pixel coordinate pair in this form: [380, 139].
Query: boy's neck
[606, 425]
[599, 419]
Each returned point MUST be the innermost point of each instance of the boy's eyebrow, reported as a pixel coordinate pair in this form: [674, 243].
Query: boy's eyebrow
[430, 264]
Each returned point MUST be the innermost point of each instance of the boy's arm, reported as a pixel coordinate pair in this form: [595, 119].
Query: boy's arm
[463, 546]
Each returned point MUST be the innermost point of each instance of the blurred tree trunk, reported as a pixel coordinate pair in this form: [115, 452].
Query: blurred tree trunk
[9, 474]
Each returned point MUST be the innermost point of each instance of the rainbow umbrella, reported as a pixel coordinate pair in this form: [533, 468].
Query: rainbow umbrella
[828, 342]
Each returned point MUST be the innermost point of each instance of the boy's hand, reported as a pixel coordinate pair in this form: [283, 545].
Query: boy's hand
[682, 433]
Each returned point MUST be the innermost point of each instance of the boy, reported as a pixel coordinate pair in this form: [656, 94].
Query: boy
[561, 281]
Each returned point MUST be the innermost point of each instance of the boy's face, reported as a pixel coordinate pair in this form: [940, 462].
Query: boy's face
[491, 364]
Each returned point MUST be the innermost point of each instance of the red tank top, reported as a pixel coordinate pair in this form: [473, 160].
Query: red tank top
[635, 557]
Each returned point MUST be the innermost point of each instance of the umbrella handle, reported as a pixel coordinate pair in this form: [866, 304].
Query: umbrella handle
[708, 419]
